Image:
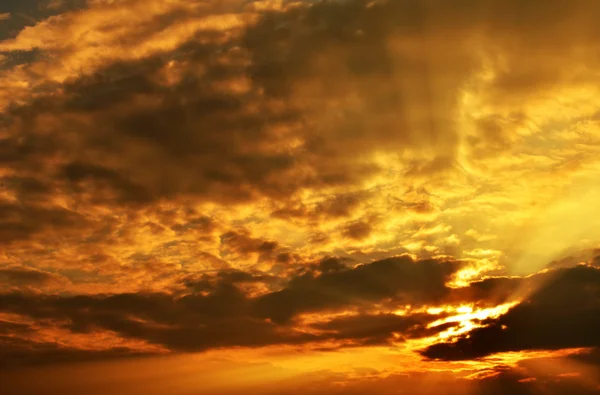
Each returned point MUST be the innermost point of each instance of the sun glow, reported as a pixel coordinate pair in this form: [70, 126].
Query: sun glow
[466, 317]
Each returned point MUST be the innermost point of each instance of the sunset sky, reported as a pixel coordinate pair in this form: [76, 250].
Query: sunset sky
[299, 197]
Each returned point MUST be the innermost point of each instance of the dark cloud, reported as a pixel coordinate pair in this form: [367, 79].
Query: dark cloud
[7, 328]
[491, 291]
[195, 138]
[401, 279]
[17, 352]
[563, 313]
[291, 102]
[19, 348]
[333, 265]
[328, 53]
[337, 206]
[241, 243]
[190, 323]
[22, 277]
[208, 282]
[219, 314]
[358, 230]
[199, 224]
[26, 188]
[20, 221]
[206, 140]
[25, 13]
[380, 328]
[99, 177]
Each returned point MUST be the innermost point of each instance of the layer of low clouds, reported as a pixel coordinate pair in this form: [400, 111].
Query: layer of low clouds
[558, 311]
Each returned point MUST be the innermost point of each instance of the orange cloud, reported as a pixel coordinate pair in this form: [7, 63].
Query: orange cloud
[329, 177]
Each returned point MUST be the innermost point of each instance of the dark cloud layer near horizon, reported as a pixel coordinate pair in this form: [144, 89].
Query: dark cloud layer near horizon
[224, 316]
[560, 313]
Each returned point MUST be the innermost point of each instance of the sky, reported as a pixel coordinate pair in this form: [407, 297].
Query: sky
[299, 197]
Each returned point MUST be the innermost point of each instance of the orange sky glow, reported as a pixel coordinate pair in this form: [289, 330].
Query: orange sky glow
[299, 197]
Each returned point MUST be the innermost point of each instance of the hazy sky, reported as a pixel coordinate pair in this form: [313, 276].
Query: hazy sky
[299, 197]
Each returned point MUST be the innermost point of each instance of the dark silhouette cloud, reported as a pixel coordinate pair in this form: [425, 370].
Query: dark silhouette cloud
[400, 279]
[16, 352]
[380, 328]
[218, 314]
[564, 312]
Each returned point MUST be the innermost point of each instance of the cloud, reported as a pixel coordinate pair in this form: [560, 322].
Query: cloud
[243, 244]
[201, 175]
[22, 277]
[22, 221]
[16, 352]
[190, 323]
[375, 329]
[229, 105]
[358, 230]
[401, 279]
[238, 113]
[219, 314]
[562, 313]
